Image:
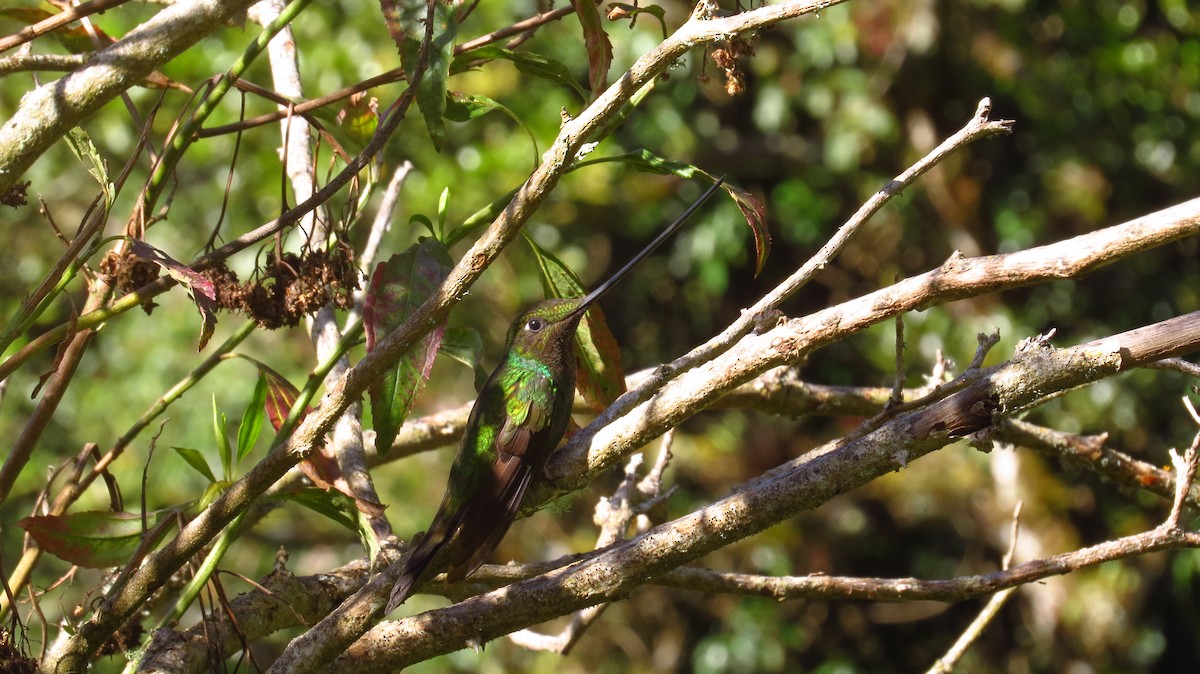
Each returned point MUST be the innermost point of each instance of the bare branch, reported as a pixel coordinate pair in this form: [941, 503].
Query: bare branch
[786, 490]
[18, 63]
[1185, 471]
[761, 313]
[605, 441]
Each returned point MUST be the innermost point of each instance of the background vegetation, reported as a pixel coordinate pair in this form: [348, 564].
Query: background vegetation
[1106, 98]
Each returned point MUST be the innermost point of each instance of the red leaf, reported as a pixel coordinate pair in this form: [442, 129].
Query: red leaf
[93, 539]
[322, 468]
[203, 292]
[398, 287]
[599, 49]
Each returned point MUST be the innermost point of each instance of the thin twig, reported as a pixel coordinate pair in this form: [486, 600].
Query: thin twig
[389, 77]
[946, 663]
[1185, 471]
[980, 126]
[897, 396]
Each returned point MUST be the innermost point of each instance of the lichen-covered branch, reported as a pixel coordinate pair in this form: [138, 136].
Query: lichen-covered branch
[1034, 373]
[607, 441]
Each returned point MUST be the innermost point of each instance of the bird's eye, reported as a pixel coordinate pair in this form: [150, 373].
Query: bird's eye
[534, 324]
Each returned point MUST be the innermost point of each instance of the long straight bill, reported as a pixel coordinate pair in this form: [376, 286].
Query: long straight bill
[666, 233]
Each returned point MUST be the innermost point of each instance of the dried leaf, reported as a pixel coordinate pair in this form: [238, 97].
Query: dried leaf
[752, 207]
[203, 292]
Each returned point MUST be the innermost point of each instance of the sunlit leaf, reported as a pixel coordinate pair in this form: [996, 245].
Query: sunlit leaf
[601, 378]
[443, 206]
[599, 49]
[398, 287]
[465, 107]
[224, 450]
[357, 121]
[527, 62]
[197, 461]
[251, 424]
[92, 539]
[751, 206]
[83, 147]
[203, 292]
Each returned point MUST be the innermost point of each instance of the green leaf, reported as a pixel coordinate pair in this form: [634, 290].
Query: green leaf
[406, 21]
[465, 107]
[599, 49]
[424, 221]
[251, 424]
[92, 539]
[334, 505]
[601, 379]
[196, 460]
[442, 203]
[83, 147]
[223, 448]
[357, 121]
[398, 287]
[478, 219]
[527, 62]
[466, 346]
[752, 207]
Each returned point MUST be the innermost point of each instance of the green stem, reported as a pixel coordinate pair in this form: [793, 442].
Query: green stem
[204, 573]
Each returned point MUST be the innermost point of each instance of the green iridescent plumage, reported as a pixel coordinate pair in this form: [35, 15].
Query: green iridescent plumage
[519, 417]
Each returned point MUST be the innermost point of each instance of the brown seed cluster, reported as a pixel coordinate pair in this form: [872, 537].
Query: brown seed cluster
[15, 196]
[726, 58]
[12, 659]
[126, 270]
[287, 288]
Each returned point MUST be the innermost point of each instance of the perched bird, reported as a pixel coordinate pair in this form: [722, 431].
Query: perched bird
[519, 417]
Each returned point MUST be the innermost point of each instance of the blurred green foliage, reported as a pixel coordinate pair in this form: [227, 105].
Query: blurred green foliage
[1106, 98]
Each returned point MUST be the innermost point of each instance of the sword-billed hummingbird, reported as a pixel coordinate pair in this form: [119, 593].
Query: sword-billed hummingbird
[520, 415]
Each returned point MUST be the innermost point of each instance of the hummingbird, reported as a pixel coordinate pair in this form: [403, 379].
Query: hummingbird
[519, 417]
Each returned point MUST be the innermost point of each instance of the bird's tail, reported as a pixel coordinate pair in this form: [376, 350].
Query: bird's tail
[429, 547]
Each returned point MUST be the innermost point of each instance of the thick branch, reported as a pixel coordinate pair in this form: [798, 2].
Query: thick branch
[48, 112]
[607, 441]
[805, 483]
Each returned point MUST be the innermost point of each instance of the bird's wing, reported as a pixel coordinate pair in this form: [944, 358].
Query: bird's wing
[520, 449]
[489, 477]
